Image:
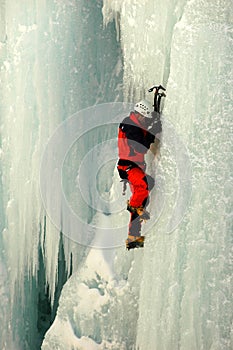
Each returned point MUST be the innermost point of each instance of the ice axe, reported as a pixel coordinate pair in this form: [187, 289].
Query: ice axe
[157, 96]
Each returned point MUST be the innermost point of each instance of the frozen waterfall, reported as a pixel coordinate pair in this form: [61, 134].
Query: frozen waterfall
[176, 293]
[54, 61]
[65, 69]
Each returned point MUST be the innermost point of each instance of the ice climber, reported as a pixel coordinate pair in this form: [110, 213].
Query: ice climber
[138, 133]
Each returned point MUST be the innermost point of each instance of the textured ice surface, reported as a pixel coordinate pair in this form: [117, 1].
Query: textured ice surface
[54, 61]
[176, 293]
[184, 278]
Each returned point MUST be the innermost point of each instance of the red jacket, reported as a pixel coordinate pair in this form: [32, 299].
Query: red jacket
[133, 140]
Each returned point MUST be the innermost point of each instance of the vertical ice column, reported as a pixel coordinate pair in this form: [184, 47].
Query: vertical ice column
[34, 73]
[186, 287]
[6, 340]
[146, 30]
[57, 54]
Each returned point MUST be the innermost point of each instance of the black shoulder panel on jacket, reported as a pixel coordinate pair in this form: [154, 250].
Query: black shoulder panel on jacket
[136, 135]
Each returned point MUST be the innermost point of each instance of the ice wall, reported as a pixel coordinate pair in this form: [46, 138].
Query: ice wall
[146, 30]
[191, 270]
[52, 65]
[179, 287]
[29, 113]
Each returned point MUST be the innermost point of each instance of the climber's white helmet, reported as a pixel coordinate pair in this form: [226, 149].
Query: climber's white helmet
[144, 108]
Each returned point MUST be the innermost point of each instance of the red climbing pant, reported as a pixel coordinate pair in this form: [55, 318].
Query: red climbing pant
[138, 186]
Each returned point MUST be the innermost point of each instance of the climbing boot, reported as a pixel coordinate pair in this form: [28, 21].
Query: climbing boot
[142, 212]
[134, 242]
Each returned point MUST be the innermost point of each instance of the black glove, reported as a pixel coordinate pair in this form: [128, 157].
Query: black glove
[156, 128]
[155, 116]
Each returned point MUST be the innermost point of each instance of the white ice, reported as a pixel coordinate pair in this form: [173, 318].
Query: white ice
[176, 293]
[185, 277]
